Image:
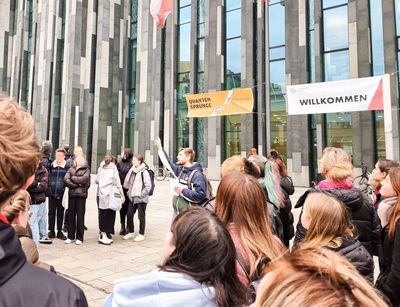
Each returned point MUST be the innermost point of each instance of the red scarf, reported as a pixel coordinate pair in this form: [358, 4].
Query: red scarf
[4, 219]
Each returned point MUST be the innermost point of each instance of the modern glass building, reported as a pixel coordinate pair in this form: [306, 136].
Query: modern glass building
[101, 74]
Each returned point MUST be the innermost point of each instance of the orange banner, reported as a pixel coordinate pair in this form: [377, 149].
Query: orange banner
[237, 101]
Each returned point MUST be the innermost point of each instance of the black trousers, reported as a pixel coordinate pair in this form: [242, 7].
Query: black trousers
[76, 217]
[55, 209]
[124, 209]
[106, 220]
[141, 207]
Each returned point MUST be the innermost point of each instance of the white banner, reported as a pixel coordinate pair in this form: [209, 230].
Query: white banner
[337, 96]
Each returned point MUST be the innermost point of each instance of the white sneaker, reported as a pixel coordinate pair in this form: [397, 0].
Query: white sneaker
[139, 238]
[128, 236]
[104, 240]
[68, 241]
[78, 242]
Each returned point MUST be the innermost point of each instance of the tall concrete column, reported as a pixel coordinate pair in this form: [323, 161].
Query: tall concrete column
[298, 138]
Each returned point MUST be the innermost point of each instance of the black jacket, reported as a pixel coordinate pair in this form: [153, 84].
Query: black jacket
[37, 190]
[56, 180]
[123, 168]
[389, 263]
[78, 181]
[25, 284]
[285, 213]
[362, 215]
[357, 254]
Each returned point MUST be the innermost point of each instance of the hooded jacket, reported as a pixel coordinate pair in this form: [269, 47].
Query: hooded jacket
[106, 176]
[56, 179]
[17, 277]
[37, 190]
[362, 215]
[197, 192]
[78, 181]
[356, 253]
[161, 289]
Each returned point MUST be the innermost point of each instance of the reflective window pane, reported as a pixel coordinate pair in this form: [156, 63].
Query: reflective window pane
[200, 64]
[233, 56]
[200, 11]
[330, 3]
[232, 4]
[336, 29]
[184, 15]
[339, 131]
[380, 134]
[397, 8]
[200, 82]
[232, 81]
[377, 37]
[184, 2]
[232, 135]
[277, 53]
[337, 65]
[277, 25]
[184, 48]
[277, 77]
[233, 24]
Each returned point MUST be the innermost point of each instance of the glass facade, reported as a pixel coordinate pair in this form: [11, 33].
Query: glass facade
[233, 32]
[337, 67]
[183, 76]
[312, 118]
[199, 122]
[277, 85]
[378, 68]
[132, 76]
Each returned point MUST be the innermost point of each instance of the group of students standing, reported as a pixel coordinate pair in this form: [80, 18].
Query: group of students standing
[131, 177]
[219, 258]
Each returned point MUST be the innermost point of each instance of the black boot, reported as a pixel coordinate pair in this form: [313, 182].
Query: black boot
[122, 232]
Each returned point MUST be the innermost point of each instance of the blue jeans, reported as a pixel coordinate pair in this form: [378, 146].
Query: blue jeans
[38, 221]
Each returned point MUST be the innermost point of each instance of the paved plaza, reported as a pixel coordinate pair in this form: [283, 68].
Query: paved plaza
[95, 267]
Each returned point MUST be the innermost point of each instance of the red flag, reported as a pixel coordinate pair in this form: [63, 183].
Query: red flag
[160, 9]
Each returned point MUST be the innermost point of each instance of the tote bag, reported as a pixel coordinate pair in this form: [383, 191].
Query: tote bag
[116, 198]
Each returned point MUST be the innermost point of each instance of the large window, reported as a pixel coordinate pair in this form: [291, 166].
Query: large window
[233, 32]
[183, 69]
[132, 77]
[378, 68]
[200, 77]
[277, 86]
[336, 67]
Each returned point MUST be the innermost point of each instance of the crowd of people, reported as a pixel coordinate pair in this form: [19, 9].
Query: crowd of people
[233, 249]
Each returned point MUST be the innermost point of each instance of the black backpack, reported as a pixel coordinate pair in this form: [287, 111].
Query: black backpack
[153, 184]
[209, 189]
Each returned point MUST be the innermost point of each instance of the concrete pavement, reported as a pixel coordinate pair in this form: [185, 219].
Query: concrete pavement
[95, 267]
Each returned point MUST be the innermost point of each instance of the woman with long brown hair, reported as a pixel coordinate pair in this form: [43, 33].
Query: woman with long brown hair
[389, 257]
[241, 204]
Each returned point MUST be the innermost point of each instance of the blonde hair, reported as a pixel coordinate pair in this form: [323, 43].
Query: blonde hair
[241, 200]
[240, 164]
[19, 149]
[16, 204]
[316, 277]
[329, 221]
[336, 164]
[79, 161]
